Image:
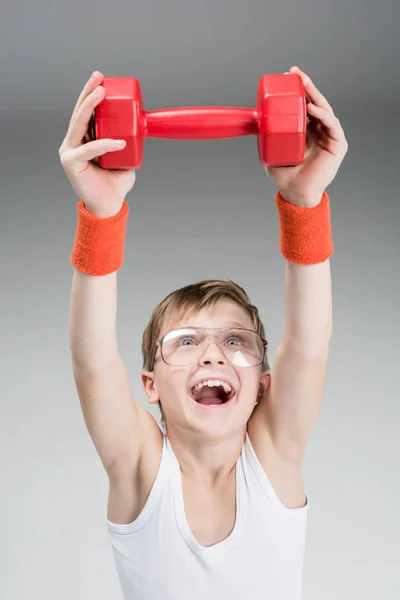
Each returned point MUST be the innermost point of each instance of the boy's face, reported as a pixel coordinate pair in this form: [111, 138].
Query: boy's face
[173, 384]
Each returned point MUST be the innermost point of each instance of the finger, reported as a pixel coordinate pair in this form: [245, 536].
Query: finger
[91, 84]
[80, 123]
[83, 154]
[328, 120]
[311, 90]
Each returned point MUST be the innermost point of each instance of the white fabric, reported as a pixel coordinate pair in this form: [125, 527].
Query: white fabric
[157, 557]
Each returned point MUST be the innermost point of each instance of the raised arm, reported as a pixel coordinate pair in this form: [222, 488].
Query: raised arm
[117, 425]
[295, 397]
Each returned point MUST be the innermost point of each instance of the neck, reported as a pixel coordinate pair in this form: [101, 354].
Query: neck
[206, 458]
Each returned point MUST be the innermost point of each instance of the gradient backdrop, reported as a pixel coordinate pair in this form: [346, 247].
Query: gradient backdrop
[198, 210]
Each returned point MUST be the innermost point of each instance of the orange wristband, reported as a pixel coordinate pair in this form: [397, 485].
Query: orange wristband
[305, 233]
[99, 243]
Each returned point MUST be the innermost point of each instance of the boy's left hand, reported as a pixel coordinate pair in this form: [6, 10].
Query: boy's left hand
[326, 147]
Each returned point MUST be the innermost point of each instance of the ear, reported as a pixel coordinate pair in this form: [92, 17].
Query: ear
[149, 386]
[265, 383]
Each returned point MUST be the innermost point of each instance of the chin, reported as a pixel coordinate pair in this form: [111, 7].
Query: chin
[215, 423]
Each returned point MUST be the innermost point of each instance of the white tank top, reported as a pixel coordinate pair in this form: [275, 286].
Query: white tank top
[158, 558]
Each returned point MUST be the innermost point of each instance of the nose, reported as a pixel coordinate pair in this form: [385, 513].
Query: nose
[213, 354]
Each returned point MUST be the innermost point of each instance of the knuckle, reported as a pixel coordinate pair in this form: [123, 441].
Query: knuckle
[65, 158]
[87, 101]
[93, 96]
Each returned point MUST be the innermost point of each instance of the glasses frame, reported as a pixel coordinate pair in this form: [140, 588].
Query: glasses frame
[211, 340]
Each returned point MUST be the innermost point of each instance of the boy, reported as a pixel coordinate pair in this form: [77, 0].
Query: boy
[214, 505]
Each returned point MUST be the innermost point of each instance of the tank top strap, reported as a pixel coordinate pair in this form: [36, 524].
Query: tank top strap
[163, 474]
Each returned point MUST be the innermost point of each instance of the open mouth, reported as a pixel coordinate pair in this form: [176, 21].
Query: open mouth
[212, 393]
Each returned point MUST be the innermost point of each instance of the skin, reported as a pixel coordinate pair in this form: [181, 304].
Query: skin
[207, 445]
[207, 441]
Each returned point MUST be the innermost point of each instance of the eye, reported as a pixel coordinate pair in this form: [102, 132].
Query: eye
[181, 341]
[236, 339]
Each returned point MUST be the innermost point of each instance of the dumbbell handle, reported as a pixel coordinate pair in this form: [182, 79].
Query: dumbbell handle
[200, 122]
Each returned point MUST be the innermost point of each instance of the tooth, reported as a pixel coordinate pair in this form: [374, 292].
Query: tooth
[212, 383]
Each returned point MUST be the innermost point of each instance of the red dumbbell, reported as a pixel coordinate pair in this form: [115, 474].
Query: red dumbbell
[279, 121]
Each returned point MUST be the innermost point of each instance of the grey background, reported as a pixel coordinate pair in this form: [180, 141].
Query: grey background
[198, 210]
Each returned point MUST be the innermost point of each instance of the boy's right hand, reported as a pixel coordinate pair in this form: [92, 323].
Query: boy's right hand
[102, 191]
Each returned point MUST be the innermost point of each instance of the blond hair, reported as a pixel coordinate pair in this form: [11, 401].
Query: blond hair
[190, 300]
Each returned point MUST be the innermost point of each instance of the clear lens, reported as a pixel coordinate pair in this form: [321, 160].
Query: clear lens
[186, 346]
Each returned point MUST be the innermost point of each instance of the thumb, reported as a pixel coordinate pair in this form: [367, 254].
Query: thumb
[76, 157]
